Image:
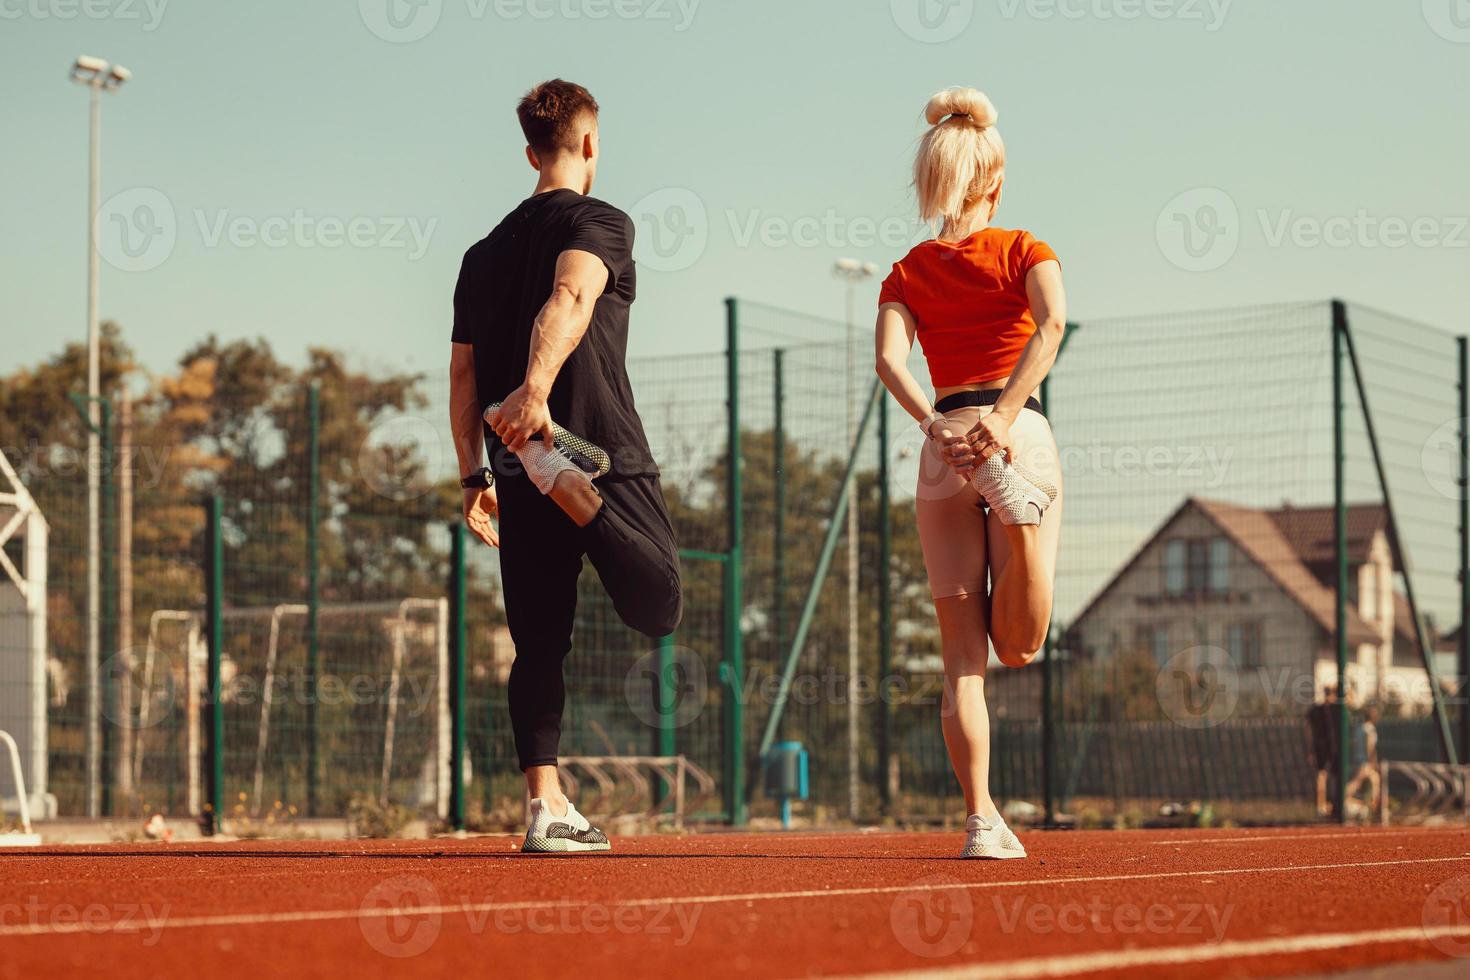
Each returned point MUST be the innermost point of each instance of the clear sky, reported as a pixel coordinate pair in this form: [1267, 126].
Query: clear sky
[312, 173]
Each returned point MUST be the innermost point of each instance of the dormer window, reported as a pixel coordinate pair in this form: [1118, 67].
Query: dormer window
[1196, 566]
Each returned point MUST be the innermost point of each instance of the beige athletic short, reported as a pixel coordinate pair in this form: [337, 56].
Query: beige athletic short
[953, 519]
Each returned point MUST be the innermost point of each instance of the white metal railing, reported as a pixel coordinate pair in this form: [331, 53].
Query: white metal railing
[20, 781]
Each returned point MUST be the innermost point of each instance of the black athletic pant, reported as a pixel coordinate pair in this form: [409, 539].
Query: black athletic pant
[631, 544]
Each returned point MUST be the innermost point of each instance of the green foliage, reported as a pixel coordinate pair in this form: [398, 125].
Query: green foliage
[369, 818]
[230, 418]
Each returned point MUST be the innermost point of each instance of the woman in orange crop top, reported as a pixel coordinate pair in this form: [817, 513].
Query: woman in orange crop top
[987, 306]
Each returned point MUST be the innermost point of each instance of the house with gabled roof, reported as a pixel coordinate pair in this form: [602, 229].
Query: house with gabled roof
[1260, 585]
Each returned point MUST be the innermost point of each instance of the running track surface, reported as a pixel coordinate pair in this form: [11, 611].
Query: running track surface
[1136, 904]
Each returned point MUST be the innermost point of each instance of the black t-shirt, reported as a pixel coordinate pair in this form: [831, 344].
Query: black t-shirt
[506, 279]
[1322, 723]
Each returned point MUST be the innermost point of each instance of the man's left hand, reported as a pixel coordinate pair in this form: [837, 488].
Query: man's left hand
[522, 415]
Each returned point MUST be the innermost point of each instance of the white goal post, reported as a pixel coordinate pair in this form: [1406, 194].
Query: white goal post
[397, 615]
[23, 638]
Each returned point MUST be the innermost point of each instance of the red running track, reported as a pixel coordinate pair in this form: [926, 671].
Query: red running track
[1134, 904]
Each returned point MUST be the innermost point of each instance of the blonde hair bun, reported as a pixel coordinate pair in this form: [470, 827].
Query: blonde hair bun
[961, 158]
[963, 104]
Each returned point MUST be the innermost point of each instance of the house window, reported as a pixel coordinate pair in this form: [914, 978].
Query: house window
[1153, 639]
[1243, 643]
[1176, 577]
[1196, 566]
[1219, 566]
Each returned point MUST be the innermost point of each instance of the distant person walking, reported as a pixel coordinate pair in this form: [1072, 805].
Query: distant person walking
[1322, 746]
[987, 306]
[1363, 756]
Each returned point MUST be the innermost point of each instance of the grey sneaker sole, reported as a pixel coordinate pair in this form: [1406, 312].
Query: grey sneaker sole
[996, 854]
[587, 456]
[560, 845]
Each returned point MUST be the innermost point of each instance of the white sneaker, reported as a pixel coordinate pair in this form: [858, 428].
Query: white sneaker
[543, 464]
[992, 840]
[565, 834]
[1015, 494]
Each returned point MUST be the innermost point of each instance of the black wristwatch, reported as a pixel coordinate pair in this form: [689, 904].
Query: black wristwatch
[481, 479]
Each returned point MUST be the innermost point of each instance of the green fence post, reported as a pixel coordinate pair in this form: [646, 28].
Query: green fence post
[1049, 685]
[732, 671]
[313, 596]
[457, 641]
[1339, 475]
[214, 615]
[778, 541]
[1464, 651]
[885, 609]
[1048, 722]
[664, 699]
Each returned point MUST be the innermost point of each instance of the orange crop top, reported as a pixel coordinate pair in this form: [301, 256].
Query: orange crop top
[969, 300]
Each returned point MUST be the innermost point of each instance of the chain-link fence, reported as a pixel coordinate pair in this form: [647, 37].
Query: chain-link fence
[1201, 568]
[1196, 614]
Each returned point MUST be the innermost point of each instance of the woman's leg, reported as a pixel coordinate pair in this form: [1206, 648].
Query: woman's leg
[951, 522]
[1023, 557]
[964, 715]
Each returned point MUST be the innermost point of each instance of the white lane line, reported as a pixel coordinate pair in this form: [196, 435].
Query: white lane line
[377, 912]
[1361, 835]
[1231, 949]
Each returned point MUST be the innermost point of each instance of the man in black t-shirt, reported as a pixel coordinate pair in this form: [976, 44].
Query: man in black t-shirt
[1322, 739]
[541, 334]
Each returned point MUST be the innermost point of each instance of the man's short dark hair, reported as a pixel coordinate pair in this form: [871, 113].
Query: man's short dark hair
[549, 114]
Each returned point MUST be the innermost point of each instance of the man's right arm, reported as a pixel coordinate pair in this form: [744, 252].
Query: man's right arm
[581, 278]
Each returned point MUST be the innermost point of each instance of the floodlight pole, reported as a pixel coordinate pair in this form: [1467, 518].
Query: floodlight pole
[94, 483]
[98, 76]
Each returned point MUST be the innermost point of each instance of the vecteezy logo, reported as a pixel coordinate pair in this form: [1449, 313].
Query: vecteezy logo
[933, 917]
[1199, 230]
[1450, 19]
[932, 21]
[135, 230]
[1440, 458]
[400, 21]
[402, 457]
[1447, 917]
[144, 685]
[671, 229]
[400, 917]
[1198, 687]
[677, 677]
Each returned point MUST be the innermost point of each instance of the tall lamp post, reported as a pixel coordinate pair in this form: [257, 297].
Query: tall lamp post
[99, 77]
[852, 272]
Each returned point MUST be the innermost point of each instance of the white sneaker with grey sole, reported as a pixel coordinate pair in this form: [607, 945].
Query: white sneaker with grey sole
[1014, 493]
[990, 839]
[569, 833]
[569, 451]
